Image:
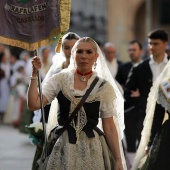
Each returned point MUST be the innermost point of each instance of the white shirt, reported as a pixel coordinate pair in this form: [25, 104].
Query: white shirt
[157, 68]
[136, 64]
[113, 67]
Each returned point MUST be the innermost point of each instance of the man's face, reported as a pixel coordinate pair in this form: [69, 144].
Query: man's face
[157, 47]
[110, 53]
[134, 52]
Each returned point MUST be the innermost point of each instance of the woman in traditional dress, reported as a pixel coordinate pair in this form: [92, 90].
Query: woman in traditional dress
[154, 149]
[82, 145]
[61, 60]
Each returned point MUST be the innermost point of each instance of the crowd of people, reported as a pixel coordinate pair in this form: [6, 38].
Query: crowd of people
[127, 97]
[14, 81]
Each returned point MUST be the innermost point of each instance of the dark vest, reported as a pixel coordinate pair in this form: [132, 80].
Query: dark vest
[92, 114]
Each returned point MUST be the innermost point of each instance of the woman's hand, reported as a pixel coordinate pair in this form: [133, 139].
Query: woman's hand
[118, 164]
[36, 64]
[33, 98]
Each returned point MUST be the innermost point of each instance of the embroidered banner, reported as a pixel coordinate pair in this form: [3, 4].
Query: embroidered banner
[30, 24]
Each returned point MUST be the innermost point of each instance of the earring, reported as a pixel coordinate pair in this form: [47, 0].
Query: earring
[95, 64]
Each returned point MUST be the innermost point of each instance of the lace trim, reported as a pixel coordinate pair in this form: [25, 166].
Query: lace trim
[69, 92]
[71, 80]
[163, 101]
[81, 118]
[81, 156]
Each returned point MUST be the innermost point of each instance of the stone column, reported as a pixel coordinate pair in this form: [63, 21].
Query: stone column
[121, 16]
[148, 16]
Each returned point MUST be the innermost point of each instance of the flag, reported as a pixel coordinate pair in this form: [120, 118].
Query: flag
[30, 24]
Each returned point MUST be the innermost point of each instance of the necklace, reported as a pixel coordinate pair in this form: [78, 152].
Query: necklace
[83, 76]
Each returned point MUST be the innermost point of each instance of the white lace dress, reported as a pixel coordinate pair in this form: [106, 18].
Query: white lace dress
[86, 153]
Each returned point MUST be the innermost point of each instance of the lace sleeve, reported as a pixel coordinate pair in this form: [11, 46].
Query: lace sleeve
[106, 103]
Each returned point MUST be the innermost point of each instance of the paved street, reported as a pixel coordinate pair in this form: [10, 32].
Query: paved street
[16, 152]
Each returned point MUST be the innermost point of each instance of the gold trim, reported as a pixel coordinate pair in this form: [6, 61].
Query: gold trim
[58, 47]
[64, 10]
[30, 46]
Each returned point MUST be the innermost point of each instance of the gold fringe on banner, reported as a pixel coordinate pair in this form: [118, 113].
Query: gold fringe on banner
[30, 46]
[59, 43]
[65, 9]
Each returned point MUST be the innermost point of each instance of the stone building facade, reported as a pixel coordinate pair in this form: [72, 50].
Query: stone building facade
[119, 21]
[89, 18]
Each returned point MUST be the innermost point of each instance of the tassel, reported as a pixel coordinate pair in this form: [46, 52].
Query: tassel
[58, 47]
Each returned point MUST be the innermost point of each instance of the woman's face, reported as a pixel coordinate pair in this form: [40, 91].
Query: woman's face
[85, 56]
[67, 46]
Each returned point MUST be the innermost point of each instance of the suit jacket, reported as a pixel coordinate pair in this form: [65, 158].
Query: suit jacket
[119, 66]
[119, 63]
[123, 72]
[141, 79]
[121, 77]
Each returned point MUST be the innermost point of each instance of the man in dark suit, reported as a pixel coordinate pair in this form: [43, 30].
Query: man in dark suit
[140, 82]
[124, 72]
[135, 52]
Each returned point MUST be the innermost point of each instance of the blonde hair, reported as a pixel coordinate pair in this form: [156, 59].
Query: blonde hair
[84, 39]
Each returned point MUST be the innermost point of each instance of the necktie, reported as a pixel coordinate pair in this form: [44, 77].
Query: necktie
[129, 74]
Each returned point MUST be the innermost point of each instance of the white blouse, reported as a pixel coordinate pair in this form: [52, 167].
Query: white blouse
[64, 81]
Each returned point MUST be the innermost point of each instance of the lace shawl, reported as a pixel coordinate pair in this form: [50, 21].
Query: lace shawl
[150, 109]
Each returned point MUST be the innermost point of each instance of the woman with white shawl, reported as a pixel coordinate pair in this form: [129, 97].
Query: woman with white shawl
[82, 146]
[155, 135]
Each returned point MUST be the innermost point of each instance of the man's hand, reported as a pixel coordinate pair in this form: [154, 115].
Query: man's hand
[135, 93]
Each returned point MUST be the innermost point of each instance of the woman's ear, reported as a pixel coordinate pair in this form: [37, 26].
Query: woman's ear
[97, 55]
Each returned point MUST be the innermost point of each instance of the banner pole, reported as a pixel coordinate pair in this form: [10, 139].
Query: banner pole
[42, 107]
